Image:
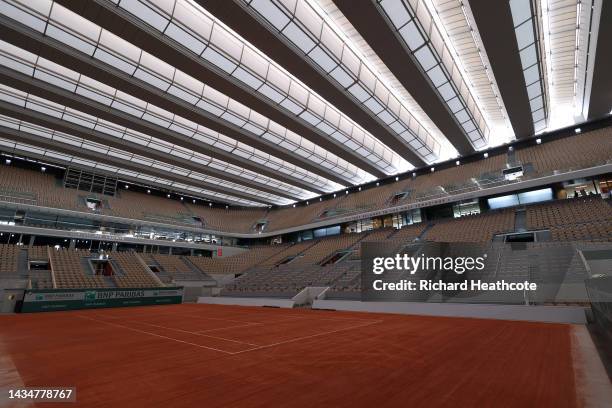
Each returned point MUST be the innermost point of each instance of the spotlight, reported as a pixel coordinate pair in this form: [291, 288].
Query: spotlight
[43, 169]
[210, 204]
[577, 130]
[413, 174]
[307, 202]
[396, 178]
[377, 184]
[182, 198]
[485, 155]
[193, 201]
[457, 162]
[346, 192]
[8, 161]
[334, 195]
[320, 198]
[148, 191]
[168, 195]
[433, 169]
[510, 148]
[127, 187]
[293, 205]
[359, 188]
[538, 141]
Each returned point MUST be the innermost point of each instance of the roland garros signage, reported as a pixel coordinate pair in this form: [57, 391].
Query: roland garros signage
[45, 300]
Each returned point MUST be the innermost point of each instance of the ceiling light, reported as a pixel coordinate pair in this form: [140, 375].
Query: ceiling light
[577, 130]
[433, 169]
[126, 186]
[43, 169]
[485, 155]
[8, 161]
[510, 148]
[377, 184]
[538, 140]
[148, 191]
[168, 195]
[359, 188]
[457, 162]
[396, 178]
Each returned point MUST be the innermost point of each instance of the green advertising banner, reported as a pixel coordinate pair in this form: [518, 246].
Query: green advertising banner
[48, 300]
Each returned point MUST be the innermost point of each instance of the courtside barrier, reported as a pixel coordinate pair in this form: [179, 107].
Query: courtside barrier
[46, 300]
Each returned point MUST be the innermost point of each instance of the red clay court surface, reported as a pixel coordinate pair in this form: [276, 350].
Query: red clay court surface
[229, 356]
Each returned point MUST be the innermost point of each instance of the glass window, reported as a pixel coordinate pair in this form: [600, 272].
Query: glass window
[412, 36]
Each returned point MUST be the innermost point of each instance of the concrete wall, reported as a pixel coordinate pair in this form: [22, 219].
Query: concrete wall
[308, 294]
[222, 278]
[551, 314]
[599, 262]
[8, 299]
[285, 303]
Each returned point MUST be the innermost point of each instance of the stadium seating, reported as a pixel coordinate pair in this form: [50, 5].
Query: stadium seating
[134, 273]
[282, 270]
[574, 219]
[72, 270]
[581, 151]
[472, 228]
[68, 269]
[239, 220]
[38, 253]
[235, 264]
[8, 259]
[175, 267]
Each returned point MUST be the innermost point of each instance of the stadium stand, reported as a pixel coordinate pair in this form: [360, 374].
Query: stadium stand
[283, 270]
[235, 264]
[472, 228]
[133, 271]
[581, 151]
[68, 267]
[574, 219]
[174, 267]
[8, 259]
[38, 253]
[239, 220]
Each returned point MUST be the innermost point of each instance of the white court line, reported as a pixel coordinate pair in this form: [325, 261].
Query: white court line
[307, 337]
[195, 333]
[153, 334]
[229, 327]
[184, 331]
[124, 316]
[10, 379]
[204, 317]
